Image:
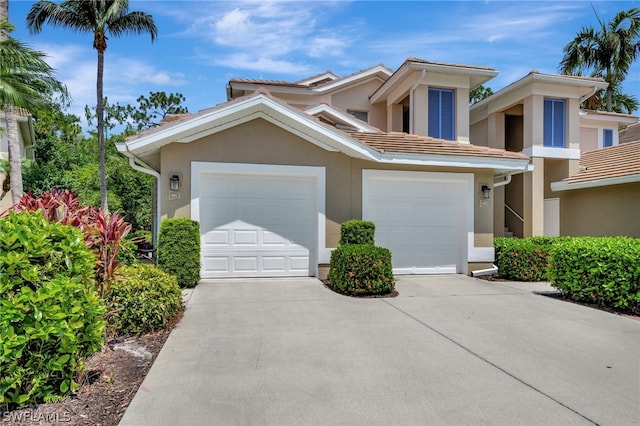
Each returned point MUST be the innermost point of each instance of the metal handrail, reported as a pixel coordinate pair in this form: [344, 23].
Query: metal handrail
[514, 212]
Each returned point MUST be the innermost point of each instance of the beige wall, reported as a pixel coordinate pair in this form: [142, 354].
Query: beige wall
[263, 143]
[357, 98]
[588, 139]
[608, 210]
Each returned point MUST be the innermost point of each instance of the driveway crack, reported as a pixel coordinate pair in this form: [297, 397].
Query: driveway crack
[463, 347]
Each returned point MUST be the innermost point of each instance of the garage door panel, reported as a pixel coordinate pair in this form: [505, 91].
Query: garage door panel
[256, 225]
[419, 216]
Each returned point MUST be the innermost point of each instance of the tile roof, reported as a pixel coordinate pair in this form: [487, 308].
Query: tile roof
[612, 162]
[630, 133]
[425, 145]
[446, 64]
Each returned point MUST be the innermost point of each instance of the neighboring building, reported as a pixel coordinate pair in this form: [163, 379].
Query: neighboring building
[602, 196]
[540, 116]
[272, 173]
[26, 141]
[631, 133]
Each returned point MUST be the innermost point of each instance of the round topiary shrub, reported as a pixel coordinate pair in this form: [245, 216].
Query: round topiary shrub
[361, 270]
[50, 314]
[144, 299]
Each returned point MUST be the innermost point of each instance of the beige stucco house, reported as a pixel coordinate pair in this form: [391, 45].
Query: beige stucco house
[25, 141]
[272, 173]
[602, 196]
[540, 116]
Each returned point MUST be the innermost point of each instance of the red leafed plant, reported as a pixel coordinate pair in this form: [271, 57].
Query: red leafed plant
[102, 232]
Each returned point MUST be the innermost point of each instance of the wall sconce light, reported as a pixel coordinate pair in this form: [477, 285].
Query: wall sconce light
[174, 182]
[486, 191]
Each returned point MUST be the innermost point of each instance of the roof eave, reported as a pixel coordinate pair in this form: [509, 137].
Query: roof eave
[568, 186]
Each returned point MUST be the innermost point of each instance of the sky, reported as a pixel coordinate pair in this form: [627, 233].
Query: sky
[202, 44]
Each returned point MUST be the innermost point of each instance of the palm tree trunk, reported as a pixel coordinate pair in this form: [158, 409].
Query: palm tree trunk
[15, 156]
[13, 147]
[100, 113]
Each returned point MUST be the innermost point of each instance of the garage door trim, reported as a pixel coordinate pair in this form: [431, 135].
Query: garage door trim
[318, 253]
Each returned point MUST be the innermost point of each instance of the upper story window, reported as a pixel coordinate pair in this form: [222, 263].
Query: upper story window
[442, 114]
[554, 123]
[360, 115]
[607, 137]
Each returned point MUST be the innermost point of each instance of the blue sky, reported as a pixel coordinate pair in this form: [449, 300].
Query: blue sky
[202, 44]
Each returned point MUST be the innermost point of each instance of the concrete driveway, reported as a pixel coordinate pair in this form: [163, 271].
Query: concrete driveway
[449, 350]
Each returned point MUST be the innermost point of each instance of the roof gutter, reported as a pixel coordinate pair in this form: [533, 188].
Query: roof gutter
[148, 170]
[594, 89]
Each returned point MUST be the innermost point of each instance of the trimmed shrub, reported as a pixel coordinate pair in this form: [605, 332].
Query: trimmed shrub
[179, 250]
[143, 299]
[361, 269]
[524, 259]
[50, 312]
[357, 232]
[601, 270]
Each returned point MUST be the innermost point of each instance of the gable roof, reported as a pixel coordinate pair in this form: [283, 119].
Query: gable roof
[145, 147]
[601, 167]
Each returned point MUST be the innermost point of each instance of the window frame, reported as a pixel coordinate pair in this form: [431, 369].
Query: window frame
[441, 132]
[354, 113]
[550, 135]
[604, 137]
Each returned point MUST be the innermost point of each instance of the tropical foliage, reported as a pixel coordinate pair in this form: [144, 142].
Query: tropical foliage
[606, 52]
[98, 17]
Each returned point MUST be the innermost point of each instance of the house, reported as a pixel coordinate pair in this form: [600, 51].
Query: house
[271, 174]
[540, 116]
[26, 140]
[602, 196]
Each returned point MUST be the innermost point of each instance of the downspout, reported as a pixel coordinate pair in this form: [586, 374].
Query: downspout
[493, 269]
[148, 170]
[507, 181]
[594, 89]
[411, 101]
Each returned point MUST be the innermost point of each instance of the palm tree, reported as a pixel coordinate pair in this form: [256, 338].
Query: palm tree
[26, 80]
[98, 17]
[607, 52]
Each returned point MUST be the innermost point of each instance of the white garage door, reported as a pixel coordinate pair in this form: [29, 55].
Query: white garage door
[421, 217]
[256, 225]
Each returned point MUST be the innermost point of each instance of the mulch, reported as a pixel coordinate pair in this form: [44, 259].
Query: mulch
[112, 379]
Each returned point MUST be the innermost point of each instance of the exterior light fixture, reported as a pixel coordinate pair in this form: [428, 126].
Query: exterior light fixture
[486, 191]
[174, 182]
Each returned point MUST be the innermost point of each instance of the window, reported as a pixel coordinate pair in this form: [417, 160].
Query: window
[360, 115]
[442, 114]
[554, 123]
[607, 138]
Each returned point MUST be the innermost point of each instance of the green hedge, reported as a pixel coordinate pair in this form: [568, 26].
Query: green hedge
[602, 270]
[144, 299]
[361, 269]
[179, 250]
[50, 312]
[524, 259]
[357, 231]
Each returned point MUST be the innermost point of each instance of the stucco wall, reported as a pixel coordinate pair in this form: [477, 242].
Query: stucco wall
[357, 98]
[261, 142]
[607, 210]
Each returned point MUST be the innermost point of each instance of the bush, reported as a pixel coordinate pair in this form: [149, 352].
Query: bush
[144, 299]
[361, 269]
[601, 270]
[524, 259]
[179, 250]
[50, 313]
[357, 232]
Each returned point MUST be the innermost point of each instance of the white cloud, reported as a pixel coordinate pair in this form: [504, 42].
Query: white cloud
[262, 64]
